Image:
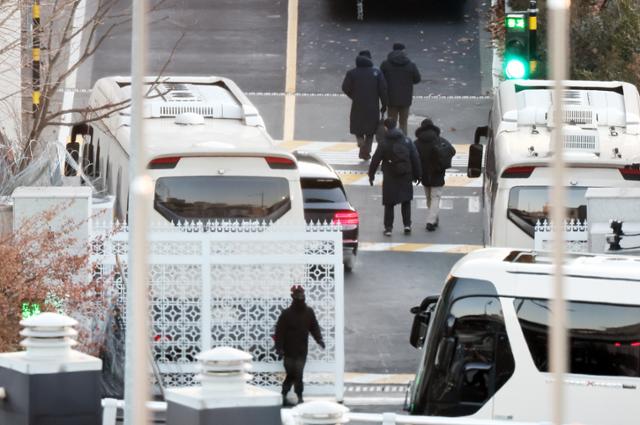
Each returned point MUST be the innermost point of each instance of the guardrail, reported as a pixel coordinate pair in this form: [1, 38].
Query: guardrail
[324, 412]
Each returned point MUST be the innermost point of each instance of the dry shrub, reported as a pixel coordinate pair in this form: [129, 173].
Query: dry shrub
[39, 268]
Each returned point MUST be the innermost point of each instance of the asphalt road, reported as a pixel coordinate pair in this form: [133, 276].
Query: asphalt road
[246, 41]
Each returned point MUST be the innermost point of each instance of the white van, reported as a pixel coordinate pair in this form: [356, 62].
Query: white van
[601, 142]
[484, 340]
[208, 152]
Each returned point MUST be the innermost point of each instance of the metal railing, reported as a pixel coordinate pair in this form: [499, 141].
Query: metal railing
[289, 417]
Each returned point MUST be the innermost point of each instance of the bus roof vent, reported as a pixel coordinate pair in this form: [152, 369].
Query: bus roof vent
[174, 109]
[579, 116]
[581, 142]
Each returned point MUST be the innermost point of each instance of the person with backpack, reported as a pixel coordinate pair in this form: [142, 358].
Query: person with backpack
[366, 87]
[401, 75]
[400, 167]
[435, 154]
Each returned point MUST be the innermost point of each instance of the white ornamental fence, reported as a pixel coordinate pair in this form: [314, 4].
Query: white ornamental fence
[225, 284]
[576, 236]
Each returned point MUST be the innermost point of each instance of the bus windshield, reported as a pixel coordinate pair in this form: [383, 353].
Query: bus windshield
[604, 339]
[222, 198]
[529, 204]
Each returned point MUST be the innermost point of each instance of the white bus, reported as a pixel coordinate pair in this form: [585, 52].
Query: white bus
[601, 142]
[208, 153]
[484, 340]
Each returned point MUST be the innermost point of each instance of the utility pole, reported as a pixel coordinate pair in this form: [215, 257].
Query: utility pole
[36, 31]
[533, 38]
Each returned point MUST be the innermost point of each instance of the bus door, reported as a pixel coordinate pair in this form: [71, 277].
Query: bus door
[467, 360]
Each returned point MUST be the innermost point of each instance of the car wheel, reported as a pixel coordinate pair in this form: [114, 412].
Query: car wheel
[350, 262]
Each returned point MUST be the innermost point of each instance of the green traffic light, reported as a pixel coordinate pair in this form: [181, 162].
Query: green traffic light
[515, 69]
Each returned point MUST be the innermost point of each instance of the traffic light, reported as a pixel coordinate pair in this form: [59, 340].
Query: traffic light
[516, 46]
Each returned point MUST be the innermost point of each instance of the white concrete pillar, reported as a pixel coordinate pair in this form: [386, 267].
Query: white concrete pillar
[320, 412]
[224, 396]
[49, 382]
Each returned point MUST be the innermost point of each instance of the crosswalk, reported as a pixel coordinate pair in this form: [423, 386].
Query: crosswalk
[345, 154]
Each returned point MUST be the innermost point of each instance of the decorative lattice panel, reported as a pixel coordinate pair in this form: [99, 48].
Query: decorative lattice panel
[575, 232]
[227, 287]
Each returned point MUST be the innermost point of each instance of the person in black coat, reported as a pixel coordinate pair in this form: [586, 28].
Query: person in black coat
[396, 188]
[292, 340]
[427, 136]
[367, 89]
[401, 74]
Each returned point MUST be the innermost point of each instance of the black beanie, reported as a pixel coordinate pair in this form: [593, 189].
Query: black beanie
[365, 53]
[425, 122]
[398, 46]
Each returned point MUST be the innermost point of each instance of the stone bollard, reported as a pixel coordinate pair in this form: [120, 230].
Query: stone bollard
[224, 397]
[49, 383]
[320, 412]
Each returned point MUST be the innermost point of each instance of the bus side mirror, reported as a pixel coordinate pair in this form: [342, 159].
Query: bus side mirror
[474, 167]
[419, 328]
[421, 318]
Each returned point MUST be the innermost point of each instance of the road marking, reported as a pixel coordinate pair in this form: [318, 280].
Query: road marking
[70, 82]
[377, 378]
[471, 98]
[360, 178]
[346, 152]
[474, 204]
[418, 247]
[291, 71]
[363, 400]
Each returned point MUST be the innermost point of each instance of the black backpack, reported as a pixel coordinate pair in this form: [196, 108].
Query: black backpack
[444, 152]
[400, 160]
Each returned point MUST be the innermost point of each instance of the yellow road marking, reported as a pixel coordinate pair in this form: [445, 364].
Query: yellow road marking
[292, 144]
[409, 247]
[458, 181]
[291, 71]
[340, 147]
[351, 178]
[461, 149]
[463, 249]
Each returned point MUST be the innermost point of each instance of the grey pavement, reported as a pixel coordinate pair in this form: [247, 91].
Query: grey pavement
[326, 118]
[378, 296]
[457, 224]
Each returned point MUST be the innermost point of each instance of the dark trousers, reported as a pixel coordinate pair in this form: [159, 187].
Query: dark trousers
[406, 215]
[364, 143]
[294, 367]
[401, 115]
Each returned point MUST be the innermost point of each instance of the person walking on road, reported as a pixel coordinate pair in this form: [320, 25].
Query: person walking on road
[292, 341]
[435, 157]
[400, 167]
[367, 89]
[401, 74]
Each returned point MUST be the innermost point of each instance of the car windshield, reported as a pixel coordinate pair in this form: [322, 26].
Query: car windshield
[527, 205]
[222, 197]
[322, 191]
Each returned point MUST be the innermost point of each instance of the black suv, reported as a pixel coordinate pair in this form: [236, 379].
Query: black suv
[325, 200]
